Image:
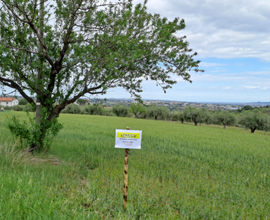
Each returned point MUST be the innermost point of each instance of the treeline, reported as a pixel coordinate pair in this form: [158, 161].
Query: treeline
[253, 119]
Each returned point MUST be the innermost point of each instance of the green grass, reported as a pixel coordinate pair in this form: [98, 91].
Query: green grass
[181, 172]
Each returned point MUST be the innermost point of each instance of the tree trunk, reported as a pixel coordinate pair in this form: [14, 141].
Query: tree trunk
[195, 123]
[182, 121]
[39, 76]
[253, 130]
[44, 125]
[156, 117]
[224, 126]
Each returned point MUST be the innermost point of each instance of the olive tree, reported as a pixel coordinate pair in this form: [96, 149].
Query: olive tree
[254, 120]
[153, 111]
[120, 110]
[137, 109]
[193, 114]
[225, 118]
[66, 49]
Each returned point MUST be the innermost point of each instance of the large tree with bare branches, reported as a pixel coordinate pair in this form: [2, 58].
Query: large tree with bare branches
[62, 50]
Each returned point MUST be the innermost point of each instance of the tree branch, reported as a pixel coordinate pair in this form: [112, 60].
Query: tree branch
[12, 84]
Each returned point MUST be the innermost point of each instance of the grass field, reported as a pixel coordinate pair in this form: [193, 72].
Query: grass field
[181, 172]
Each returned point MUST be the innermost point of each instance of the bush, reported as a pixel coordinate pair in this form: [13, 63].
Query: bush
[108, 112]
[23, 102]
[121, 110]
[94, 109]
[29, 108]
[164, 113]
[7, 107]
[174, 116]
[72, 109]
[17, 108]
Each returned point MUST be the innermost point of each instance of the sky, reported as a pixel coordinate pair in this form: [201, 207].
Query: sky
[232, 39]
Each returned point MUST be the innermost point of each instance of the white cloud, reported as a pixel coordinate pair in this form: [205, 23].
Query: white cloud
[252, 87]
[223, 28]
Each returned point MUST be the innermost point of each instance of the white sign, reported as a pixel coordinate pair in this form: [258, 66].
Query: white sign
[130, 139]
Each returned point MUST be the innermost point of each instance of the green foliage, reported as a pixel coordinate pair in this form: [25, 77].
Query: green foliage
[255, 120]
[31, 131]
[193, 114]
[72, 109]
[81, 102]
[153, 111]
[175, 115]
[137, 109]
[246, 108]
[7, 107]
[95, 109]
[225, 118]
[23, 102]
[120, 110]
[207, 116]
[108, 112]
[29, 108]
[164, 113]
[17, 107]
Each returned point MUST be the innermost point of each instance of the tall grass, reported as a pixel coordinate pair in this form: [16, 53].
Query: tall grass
[181, 172]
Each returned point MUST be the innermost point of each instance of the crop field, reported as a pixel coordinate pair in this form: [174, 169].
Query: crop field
[181, 172]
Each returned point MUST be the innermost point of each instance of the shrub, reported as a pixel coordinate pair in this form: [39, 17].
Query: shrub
[29, 108]
[23, 102]
[121, 110]
[94, 109]
[108, 112]
[7, 107]
[17, 108]
[72, 109]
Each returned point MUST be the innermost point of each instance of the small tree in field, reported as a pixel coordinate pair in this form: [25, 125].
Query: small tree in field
[181, 117]
[153, 111]
[64, 50]
[254, 120]
[174, 115]
[137, 109]
[23, 102]
[120, 110]
[81, 102]
[225, 118]
[193, 114]
[164, 113]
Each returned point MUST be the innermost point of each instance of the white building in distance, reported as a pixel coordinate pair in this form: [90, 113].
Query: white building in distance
[8, 101]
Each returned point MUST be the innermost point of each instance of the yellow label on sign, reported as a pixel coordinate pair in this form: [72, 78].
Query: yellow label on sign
[128, 135]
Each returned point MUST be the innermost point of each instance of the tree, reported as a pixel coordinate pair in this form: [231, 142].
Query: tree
[23, 102]
[81, 102]
[193, 114]
[95, 109]
[225, 118]
[174, 115]
[120, 110]
[164, 113]
[254, 120]
[76, 47]
[137, 109]
[207, 116]
[153, 111]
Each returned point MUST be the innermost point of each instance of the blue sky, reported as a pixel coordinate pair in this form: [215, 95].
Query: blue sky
[232, 39]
